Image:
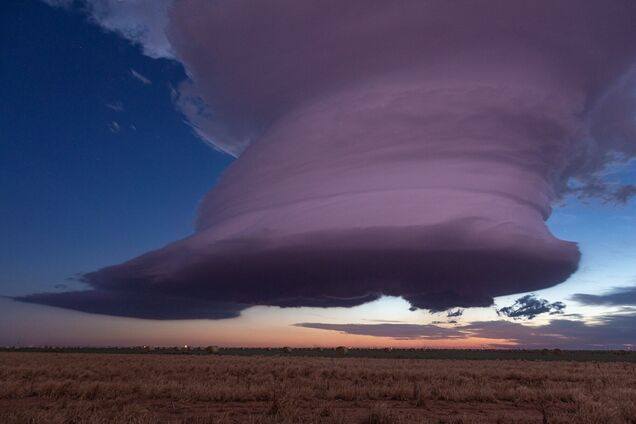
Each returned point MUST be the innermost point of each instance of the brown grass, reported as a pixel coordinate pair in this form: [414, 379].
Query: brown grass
[102, 388]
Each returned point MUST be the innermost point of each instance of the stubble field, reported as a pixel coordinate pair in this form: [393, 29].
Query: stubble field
[150, 388]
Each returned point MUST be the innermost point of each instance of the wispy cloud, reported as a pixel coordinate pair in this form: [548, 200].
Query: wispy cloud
[59, 3]
[394, 331]
[115, 106]
[114, 127]
[139, 77]
[143, 22]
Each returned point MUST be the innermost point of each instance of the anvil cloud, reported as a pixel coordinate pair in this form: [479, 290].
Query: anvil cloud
[409, 148]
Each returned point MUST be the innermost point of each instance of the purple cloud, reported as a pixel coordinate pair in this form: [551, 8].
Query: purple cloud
[136, 305]
[394, 331]
[619, 296]
[610, 332]
[409, 149]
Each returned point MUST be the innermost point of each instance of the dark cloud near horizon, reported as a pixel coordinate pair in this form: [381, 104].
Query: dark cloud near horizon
[454, 314]
[610, 332]
[407, 148]
[296, 273]
[619, 296]
[529, 306]
[136, 305]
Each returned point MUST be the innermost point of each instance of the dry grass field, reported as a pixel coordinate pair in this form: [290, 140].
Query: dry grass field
[109, 388]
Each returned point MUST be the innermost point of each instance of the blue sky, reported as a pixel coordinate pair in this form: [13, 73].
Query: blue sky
[81, 193]
[98, 166]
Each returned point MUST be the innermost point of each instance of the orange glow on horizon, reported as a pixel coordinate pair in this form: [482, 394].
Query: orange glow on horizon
[37, 326]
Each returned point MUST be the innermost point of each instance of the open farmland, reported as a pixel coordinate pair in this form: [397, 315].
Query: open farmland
[414, 353]
[102, 388]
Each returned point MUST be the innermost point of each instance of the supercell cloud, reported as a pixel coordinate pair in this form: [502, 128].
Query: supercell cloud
[408, 148]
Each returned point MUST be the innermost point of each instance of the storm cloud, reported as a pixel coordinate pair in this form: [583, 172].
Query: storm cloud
[409, 148]
[137, 305]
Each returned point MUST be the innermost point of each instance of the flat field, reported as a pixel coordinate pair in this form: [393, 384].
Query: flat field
[154, 388]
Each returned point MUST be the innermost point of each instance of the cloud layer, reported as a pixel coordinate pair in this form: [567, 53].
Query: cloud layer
[619, 296]
[611, 332]
[137, 305]
[405, 148]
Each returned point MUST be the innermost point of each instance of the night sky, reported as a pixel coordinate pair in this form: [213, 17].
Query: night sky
[188, 173]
